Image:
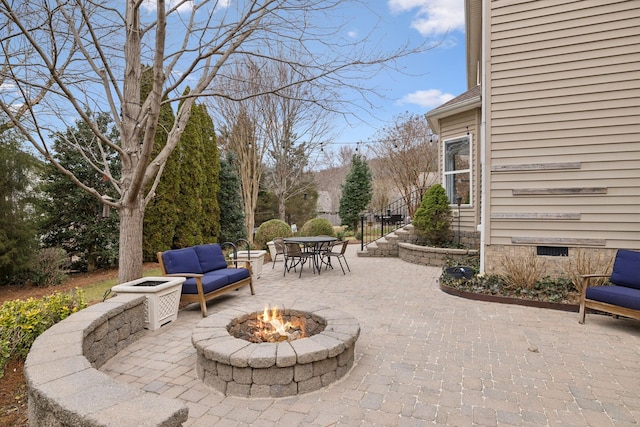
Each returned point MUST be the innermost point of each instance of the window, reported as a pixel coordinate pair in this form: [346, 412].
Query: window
[457, 170]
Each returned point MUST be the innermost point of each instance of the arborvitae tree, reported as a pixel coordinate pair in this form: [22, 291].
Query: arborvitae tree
[161, 214]
[357, 192]
[188, 200]
[433, 217]
[17, 230]
[232, 225]
[210, 220]
[74, 219]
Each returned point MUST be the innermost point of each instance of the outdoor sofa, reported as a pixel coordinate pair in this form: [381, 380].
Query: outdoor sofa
[208, 272]
[622, 297]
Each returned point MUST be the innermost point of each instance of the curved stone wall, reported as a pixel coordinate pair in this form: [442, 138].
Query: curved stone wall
[64, 385]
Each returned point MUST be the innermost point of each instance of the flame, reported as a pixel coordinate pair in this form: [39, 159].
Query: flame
[271, 327]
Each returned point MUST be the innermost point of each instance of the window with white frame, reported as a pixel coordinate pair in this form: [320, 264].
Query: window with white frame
[457, 170]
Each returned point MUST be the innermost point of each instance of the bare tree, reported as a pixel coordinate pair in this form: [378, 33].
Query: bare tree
[241, 136]
[292, 124]
[408, 155]
[66, 59]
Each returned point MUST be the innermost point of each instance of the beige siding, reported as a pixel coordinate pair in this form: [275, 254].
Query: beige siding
[456, 126]
[564, 84]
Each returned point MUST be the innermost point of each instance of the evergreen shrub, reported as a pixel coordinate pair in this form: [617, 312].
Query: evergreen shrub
[317, 227]
[22, 321]
[433, 217]
[269, 230]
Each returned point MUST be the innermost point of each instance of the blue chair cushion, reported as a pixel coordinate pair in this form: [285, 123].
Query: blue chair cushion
[622, 296]
[210, 257]
[626, 269]
[232, 274]
[209, 283]
[181, 261]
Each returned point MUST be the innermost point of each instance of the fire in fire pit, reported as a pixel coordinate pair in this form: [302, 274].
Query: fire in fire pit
[274, 325]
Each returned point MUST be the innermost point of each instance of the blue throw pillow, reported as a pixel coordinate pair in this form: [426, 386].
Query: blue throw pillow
[210, 257]
[626, 269]
[181, 261]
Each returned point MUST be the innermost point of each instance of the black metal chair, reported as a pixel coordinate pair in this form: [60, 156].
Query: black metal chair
[339, 254]
[294, 256]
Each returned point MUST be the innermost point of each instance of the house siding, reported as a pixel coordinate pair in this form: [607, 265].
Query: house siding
[563, 124]
[454, 127]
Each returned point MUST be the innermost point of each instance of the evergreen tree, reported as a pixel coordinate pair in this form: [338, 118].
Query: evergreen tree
[161, 214]
[210, 219]
[188, 200]
[73, 219]
[232, 225]
[18, 232]
[357, 192]
[433, 217]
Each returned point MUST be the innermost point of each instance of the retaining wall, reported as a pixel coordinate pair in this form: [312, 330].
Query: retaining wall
[64, 385]
[432, 256]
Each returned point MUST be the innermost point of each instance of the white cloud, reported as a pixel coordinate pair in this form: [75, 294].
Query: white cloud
[150, 5]
[352, 34]
[430, 98]
[433, 17]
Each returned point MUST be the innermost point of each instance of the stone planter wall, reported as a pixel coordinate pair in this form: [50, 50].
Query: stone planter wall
[434, 257]
[64, 385]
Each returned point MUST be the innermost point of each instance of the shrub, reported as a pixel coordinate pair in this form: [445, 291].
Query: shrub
[22, 321]
[432, 218]
[48, 268]
[522, 273]
[586, 263]
[269, 230]
[317, 227]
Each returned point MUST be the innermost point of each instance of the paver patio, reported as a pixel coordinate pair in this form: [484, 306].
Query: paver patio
[423, 357]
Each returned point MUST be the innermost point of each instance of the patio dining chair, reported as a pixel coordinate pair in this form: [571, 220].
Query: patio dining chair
[294, 256]
[278, 244]
[339, 254]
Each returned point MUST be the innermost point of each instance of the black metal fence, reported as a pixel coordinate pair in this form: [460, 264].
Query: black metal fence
[375, 225]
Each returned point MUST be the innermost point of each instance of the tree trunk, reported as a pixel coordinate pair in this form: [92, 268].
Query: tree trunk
[92, 263]
[131, 220]
[282, 207]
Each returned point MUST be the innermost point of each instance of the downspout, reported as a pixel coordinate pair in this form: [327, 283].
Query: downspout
[483, 148]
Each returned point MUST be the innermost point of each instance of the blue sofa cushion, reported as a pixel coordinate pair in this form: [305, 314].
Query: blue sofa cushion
[181, 261]
[209, 283]
[232, 274]
[622, 296]
[626, 269]
[210, 257]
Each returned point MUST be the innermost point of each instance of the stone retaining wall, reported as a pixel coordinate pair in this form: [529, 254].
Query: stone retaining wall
[428, 255]
[64, 385]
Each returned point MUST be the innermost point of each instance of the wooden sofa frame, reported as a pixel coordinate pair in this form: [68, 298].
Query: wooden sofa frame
[202, 297]
[602, 306]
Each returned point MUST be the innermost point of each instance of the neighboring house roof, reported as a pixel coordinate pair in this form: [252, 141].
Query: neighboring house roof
[469, 99]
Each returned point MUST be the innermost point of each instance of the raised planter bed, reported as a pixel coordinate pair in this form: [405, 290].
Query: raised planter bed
[508, 300]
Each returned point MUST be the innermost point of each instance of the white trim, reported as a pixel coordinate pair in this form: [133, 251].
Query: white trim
[483, 147]
[469, 170]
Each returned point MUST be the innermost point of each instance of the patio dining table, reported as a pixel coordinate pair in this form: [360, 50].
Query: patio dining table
[313, 244]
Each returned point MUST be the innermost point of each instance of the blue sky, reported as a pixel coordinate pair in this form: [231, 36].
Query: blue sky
[431, 78]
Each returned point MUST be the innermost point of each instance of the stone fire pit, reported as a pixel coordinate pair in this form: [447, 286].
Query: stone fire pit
[237, 367]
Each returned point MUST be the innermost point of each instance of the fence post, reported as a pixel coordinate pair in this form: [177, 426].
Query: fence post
[361, 232]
